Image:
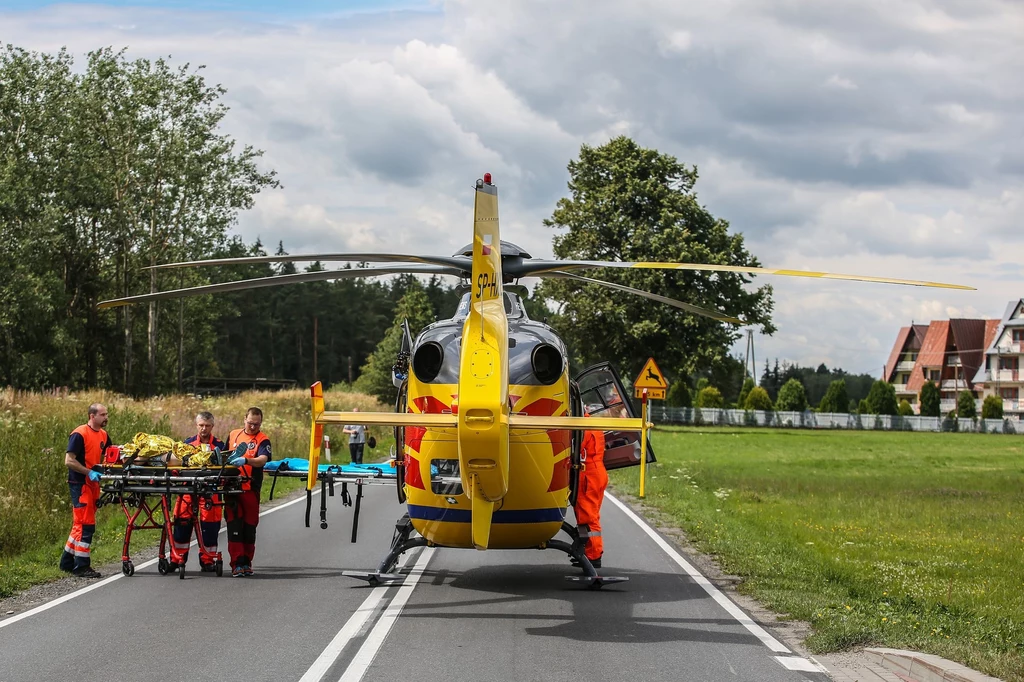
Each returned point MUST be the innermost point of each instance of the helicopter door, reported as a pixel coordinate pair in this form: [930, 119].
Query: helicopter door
[603, 395]
[400, 407]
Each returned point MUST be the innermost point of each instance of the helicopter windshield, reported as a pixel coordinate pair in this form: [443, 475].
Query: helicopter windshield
[513, 308]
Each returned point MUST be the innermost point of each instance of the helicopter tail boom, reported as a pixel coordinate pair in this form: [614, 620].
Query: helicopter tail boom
[483, 371]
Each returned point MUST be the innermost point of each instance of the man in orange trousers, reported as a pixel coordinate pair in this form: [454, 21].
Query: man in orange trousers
[593, 482]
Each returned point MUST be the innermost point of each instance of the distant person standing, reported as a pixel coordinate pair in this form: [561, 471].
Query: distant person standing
[85, 451]
[356, 440]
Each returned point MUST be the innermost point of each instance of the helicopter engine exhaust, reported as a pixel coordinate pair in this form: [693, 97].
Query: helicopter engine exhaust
[427, 361]
[547, 363]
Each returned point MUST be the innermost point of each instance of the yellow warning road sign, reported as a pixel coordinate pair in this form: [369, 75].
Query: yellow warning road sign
[650, 377]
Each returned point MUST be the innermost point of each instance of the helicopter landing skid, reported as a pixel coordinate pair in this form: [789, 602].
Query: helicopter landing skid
[374, 579]
[590, 578]
[400, 544]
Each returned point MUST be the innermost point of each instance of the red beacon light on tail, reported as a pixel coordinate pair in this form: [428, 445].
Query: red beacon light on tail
[487, 178]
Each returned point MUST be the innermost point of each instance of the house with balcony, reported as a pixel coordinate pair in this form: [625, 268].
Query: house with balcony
[947, 352]
[903, 359]
[1000, 375]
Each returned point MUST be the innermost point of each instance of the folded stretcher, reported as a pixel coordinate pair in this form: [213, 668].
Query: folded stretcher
[329, 475]
[146, 490]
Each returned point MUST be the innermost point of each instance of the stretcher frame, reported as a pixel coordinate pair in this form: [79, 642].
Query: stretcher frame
[330, 477]
[133, 486]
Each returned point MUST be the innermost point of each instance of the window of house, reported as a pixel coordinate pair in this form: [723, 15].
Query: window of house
[1008, 363]
[1018, 335]
[1008, 393]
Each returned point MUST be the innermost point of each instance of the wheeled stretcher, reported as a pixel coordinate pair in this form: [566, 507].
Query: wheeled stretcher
[329, 475]
[146, 494]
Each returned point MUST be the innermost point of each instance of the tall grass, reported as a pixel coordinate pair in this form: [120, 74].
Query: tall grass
[907, 540]
[35, 508]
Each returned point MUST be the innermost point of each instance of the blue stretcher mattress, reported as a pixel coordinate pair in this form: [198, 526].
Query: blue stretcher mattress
[299, 464]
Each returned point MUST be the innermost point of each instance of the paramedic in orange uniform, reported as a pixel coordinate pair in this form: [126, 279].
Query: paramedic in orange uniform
[249, 450]
[210, 510]
[85, 451]
[593, 481]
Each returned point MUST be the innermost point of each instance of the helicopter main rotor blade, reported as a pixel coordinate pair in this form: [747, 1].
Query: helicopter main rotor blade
[451, 261]
[535, 267]
[696, 310]
[278, 280]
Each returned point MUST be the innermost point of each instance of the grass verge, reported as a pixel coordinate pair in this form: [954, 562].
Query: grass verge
[905, 540]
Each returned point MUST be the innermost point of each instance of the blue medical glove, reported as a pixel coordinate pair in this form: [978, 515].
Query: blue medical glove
[94, 475]
[237, 460]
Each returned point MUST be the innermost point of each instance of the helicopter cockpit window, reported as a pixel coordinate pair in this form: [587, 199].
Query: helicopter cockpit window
[512, 307]
[463, 309]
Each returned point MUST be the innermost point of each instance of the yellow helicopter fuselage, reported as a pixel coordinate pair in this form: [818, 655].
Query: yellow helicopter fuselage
[534, 505]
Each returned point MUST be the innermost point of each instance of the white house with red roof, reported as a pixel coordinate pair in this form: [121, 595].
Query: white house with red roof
[1004, 354]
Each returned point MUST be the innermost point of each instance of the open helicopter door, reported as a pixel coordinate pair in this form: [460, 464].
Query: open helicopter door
[603, 394]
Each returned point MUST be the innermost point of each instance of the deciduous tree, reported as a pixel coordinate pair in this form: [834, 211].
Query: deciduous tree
[628, 203]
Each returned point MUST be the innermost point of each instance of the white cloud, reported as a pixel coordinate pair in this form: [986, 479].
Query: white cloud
[873, 136]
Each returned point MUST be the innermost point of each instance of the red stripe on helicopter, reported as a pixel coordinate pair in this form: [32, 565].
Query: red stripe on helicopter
[546, 407]
[560, 477]
[413, 477]
[428, 404]
[414, 437]
[559, 439]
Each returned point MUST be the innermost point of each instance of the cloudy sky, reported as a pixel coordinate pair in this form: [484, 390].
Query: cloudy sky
[881, 137]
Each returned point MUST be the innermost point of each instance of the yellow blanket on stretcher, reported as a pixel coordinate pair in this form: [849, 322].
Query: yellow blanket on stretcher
[164, 449]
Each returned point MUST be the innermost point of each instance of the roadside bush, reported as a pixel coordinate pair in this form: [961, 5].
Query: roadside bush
[792, 397]
[882, 398]
[679, 395]
[862, 407]
[929, 400]
[709, 396]
[758, 399]
[992, 408]
[836, 398]
[906, 409]
[965, 405]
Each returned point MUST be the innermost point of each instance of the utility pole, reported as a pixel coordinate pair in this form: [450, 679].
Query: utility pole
[750, 364]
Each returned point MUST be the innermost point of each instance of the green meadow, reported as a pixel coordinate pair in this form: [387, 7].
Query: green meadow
[35, 509]
[896, 539]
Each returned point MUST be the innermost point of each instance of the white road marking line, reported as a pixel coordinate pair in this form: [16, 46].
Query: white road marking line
[713, 592]
[375, 640]
[355, 624]
[801, 664]
[117, 576]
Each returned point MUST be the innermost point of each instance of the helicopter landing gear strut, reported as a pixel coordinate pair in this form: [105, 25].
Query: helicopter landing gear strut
[400, 544]
[590, 578]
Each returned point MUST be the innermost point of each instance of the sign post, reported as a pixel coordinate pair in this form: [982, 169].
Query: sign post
[643, 443]
[650, 384]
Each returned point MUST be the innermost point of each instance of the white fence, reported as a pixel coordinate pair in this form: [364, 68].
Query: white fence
[696, 416]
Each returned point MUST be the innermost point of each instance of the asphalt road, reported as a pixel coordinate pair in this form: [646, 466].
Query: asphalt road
[460, 615]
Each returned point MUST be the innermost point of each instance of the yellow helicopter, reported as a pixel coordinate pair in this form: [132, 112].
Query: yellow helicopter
[488, 421]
